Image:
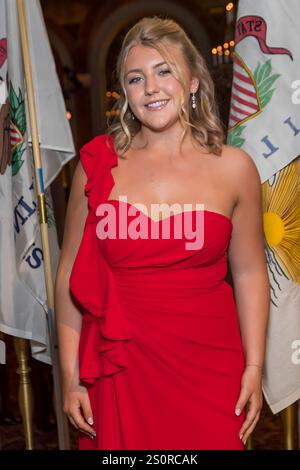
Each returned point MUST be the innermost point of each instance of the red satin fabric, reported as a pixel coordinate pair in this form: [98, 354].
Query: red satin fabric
[160, 349]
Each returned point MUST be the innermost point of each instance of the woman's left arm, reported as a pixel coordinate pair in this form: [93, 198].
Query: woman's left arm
[250, 282]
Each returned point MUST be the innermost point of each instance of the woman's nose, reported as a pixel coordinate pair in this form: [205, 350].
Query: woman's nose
[151, 86]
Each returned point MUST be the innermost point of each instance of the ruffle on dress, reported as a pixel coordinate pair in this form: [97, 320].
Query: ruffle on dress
[105, 330]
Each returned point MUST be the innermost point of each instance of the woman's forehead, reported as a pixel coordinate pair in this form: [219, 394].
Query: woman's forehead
[140, 55]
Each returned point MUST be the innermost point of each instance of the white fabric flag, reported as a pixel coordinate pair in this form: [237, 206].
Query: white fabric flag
[23, 302]
[265, 122]
[264, 116]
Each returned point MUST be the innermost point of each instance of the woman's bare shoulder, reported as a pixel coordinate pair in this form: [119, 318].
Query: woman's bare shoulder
[239, 164]
[242, 176]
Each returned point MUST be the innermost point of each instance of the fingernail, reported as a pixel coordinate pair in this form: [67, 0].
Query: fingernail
[94, 434]
[241, 436]
[90, 421]
[238, 411]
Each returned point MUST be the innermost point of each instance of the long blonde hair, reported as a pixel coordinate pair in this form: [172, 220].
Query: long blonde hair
[204, 120]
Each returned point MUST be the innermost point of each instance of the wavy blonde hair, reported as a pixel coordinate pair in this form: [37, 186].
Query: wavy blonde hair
[204, 120]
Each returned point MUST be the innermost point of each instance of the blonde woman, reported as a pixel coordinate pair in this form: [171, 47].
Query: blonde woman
[156, 352]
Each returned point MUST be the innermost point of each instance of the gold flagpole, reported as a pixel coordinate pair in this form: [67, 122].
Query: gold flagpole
[289, 420]
[62, 424]
[25, 390]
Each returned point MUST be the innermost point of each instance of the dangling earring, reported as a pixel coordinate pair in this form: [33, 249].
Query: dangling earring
[194, 101]
[132, 116]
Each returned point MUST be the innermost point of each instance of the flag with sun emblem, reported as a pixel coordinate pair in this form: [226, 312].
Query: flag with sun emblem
[264, 120]
[281, 203]
[23, 302]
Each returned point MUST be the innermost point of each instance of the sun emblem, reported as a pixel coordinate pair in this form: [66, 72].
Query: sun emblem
[281, 195]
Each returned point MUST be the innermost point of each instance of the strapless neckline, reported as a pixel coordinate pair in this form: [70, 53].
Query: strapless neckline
[213, 213]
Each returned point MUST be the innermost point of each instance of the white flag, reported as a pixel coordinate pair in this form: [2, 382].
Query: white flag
[265, 122]
[264, 116]
[23, 302]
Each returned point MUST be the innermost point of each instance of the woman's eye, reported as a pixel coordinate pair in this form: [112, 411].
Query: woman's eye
[133, 80]
[136, 79]
[165, 71]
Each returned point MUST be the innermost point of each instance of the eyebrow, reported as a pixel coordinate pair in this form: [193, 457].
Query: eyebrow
[140, 70]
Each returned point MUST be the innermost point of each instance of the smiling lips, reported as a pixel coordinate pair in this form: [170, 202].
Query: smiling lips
[157, 105]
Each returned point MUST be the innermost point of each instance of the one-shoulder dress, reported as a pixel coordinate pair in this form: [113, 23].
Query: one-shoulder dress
[160, 349]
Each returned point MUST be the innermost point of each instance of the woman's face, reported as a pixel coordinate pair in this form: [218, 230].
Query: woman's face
[148, 79]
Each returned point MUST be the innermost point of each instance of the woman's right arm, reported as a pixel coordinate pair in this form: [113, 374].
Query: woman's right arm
[68, 317]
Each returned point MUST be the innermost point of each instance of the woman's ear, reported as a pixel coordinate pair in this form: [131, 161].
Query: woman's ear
[194, 85]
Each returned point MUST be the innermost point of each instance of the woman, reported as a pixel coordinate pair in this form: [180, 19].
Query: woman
[155, 353]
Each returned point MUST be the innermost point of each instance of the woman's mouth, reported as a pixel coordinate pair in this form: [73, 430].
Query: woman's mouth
[157, 105]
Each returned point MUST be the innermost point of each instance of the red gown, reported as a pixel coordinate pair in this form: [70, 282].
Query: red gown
[160, 349]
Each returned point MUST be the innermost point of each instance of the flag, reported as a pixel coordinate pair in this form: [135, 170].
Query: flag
[23, 301]
[265, 121]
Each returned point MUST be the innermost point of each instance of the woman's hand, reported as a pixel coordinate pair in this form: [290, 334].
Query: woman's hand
[251, 393]
[77, 407]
